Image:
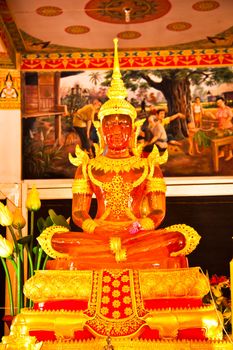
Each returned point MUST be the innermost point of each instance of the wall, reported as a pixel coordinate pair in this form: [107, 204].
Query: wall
[10, 146]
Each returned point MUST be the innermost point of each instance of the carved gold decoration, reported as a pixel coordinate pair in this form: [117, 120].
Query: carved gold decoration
[137, 344]
[191, 236]
[156, 184]
[169, 321]
[63, 323]
[45, 241]
[49, 284]
[26, 342]
[59, 285]
[189, 282]
[89, 225]
[81, 186]
[117, 94]
[116, 304]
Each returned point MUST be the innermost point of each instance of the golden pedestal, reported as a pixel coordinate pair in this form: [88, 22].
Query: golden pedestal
[150, 309]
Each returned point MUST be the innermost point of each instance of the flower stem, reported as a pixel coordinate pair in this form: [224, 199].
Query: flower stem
[31, 270]
[32, 230]
[20, 232]
[39, 256]
[44, 263]
[9, 285]
[14, 239]
[20, 282]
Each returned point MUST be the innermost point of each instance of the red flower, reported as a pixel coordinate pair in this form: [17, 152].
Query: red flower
[218, 279]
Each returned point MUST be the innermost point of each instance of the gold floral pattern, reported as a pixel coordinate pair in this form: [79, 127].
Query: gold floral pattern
[106, 279]
[116, 303]
[106, 289]
[116, 314]
[128, 311]
[104, 310]
[77, 29]
[127, 300]
[205, 5]
[116, 293]
[125, 289]
[129, 35]
[105, 300]
[125, 279]
[49, 11]
[179, 26]
[143, 10]
[116, 283]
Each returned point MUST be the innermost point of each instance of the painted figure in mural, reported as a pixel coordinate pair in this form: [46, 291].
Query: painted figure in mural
[8, 91]
[224, 117]
[197, 112]
[155, 135]
[157, 130]
[130, 194]
[82, 122]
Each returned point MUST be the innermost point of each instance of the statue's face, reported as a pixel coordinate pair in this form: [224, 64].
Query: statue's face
[117, 130]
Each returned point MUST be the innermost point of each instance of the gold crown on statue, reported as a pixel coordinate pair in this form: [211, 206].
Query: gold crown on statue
[117, 93]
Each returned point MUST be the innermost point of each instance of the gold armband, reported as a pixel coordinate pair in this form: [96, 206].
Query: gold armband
[81, 186]
[156, 184]
[147, 224]
[89, 225]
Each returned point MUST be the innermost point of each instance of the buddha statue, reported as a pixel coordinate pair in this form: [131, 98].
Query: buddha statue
[130, 194]
[122, 277]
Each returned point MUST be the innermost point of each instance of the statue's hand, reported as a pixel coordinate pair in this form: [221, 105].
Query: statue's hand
[143, 224]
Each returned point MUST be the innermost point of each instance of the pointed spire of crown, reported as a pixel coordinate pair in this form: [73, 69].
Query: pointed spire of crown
[117, 93]
[117, 88]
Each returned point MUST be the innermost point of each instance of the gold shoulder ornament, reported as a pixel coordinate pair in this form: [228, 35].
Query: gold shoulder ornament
[154, 159]
[80, 159]
[137, 147]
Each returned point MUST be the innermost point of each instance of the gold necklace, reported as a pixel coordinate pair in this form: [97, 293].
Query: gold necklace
[132, 184]
[117, 165]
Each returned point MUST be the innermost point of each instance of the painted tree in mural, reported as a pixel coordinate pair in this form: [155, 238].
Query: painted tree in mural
[175, 85]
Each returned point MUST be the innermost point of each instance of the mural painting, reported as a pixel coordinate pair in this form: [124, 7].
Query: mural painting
[187, 111]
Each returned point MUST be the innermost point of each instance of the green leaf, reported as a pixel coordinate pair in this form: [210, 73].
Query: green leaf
[25, 240]
[58, 219]
[48, 221]
[41, 224]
